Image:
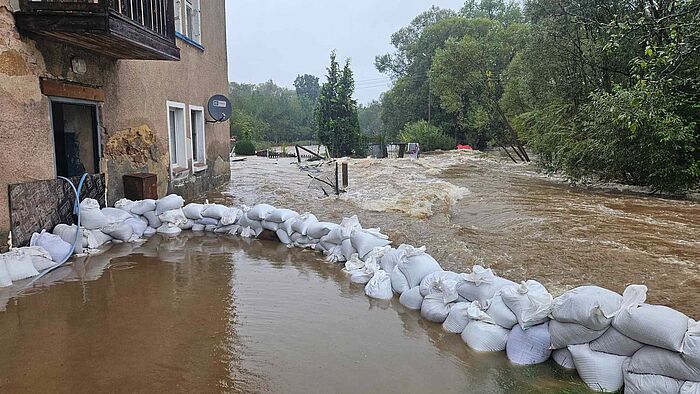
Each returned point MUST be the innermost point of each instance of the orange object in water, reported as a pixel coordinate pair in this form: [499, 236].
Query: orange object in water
[464, 147]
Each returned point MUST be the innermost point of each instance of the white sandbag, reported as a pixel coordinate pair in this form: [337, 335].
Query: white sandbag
[302, 223]
[260, 211]
[225, 229]
[53, 244]
[193, 211]
[168, 203]
[348, 250]
[281, 215]
[41, 259]
[214, 211]
[411, 298]
[271, 226]
[434, 308]
[211, 222]
[286, 226]
[654, 325]
[691, 344]
[174, 217]
[457, 319]
[429, 281]
[563, 358]
[614, 342]
[600, 371]
[5, 278]
[96, 238]
[500, 313]
[657, 361]
[187, 225]
[415, 264]
[246, 232]
[482, 336]
[565, 334]
[591, 306]
[379, 287]
[365, 274]
[530, 302]
[529, 347]
[199, 227]
[19, 265]
[115, 215]
[481, 284]
[318, 229]
[364, 241]
[153, 220]
[335, 255]
[399, 283]
[283, 237]
[119, 231]
[91, 217]
[149, 232]
[353, 264]
[169, 230]
[343, 231]
[390, 259]
[137, 226]
[230, 216]
[143, 206]
[68, 234]
[124, 204]
[649, 384]
[690, 388]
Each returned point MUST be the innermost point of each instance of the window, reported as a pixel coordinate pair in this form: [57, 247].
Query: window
[178, 16]
[76, 138]
[197, 130]
[176, 130]
[193, 29]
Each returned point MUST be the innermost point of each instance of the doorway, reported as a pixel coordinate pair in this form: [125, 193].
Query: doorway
[76, 138]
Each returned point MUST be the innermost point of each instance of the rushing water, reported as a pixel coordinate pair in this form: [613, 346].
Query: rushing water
[208, 313]
[470, 208]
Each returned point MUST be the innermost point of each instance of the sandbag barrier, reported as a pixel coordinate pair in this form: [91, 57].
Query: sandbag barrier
[612, 340]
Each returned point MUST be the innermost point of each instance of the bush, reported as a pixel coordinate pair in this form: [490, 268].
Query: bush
[245, 148]
[428, 136]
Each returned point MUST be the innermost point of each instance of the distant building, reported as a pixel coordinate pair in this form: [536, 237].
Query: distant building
[112, 87]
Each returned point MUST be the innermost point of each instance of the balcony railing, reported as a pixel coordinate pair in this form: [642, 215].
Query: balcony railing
[123, 29]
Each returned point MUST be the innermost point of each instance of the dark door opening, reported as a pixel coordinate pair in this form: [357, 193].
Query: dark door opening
[75, 138]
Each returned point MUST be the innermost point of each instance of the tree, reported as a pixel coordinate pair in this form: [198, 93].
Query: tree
[371, 118]
[307, 88]
[336, 112]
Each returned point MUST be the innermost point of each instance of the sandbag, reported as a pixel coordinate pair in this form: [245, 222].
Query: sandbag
[96, 238]
[212, 222]
[590, 306]
[529, 347]
[193, 211]
[415, 264]
[390, 259]
[214, 211]
[434, 308]
[174, 216]
[186, 225]
[500, 313]
[335, 255]
[654, 325]
[600, 371]
[137, 226]
[143, 206]
[614, 342]
[168, 203]
[153, 220]
[68, 234]
[225, 229]
[457, 319]
[230, 216]
[411, 298]
[149, 232]
[272, 226]
[302, 223]
[169, 230]
[690, 388]
[348, 250]
[530, 302]
[281, 215]
[363, 275]
[430, 280]
[40, 257]
[283, 237]
[482, 336]
[343, 231]
[399, 283]
[318, 229]
[53, 244]
[565, 334]
[364, 241]
[116, 215]
[657, 361]
[691, 344]
[119, 231]
[563, 358]
[260, 211]
[198, 227]
[91, 217]
[481, 284]
[5, 278]
[19, 265]
[124, 204]
[379, 287]
[649, 384]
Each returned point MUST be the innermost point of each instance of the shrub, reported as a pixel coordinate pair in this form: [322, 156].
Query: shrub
[428, 136]
[245, 148]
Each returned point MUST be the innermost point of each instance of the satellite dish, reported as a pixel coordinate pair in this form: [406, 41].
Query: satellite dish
[219, 108]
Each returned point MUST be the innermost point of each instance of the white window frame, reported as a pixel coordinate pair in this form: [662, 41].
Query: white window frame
[200, 163]
[194, 32]
[180, 164]
[178, 17]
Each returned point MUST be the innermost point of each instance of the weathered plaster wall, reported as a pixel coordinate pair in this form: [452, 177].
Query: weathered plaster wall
[136, 99]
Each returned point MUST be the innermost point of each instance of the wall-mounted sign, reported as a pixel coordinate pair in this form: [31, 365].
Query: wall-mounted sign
[219, 108]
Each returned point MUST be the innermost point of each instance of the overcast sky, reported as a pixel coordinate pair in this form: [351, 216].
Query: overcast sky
[278, 40]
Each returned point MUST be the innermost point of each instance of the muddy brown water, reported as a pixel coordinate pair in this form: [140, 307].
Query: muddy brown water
[209, 313]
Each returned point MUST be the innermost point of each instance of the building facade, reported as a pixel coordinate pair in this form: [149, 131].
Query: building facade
[112, 87]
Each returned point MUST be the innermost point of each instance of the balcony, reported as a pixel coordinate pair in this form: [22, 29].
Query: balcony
[121, 29]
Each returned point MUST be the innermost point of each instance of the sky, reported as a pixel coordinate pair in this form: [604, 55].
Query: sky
[278, 39]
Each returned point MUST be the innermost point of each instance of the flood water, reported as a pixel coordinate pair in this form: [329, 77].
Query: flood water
[472, 208]
[210, 313]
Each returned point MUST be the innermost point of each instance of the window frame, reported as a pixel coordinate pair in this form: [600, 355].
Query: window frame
[198, 163]
[180, 164]
[196, 7]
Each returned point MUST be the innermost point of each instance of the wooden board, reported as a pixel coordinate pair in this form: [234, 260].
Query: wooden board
[52, 87]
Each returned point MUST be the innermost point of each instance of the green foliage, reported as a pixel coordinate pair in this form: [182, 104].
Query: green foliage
[371, 118]
[336, 113]
[245, 148]
[428, 136]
